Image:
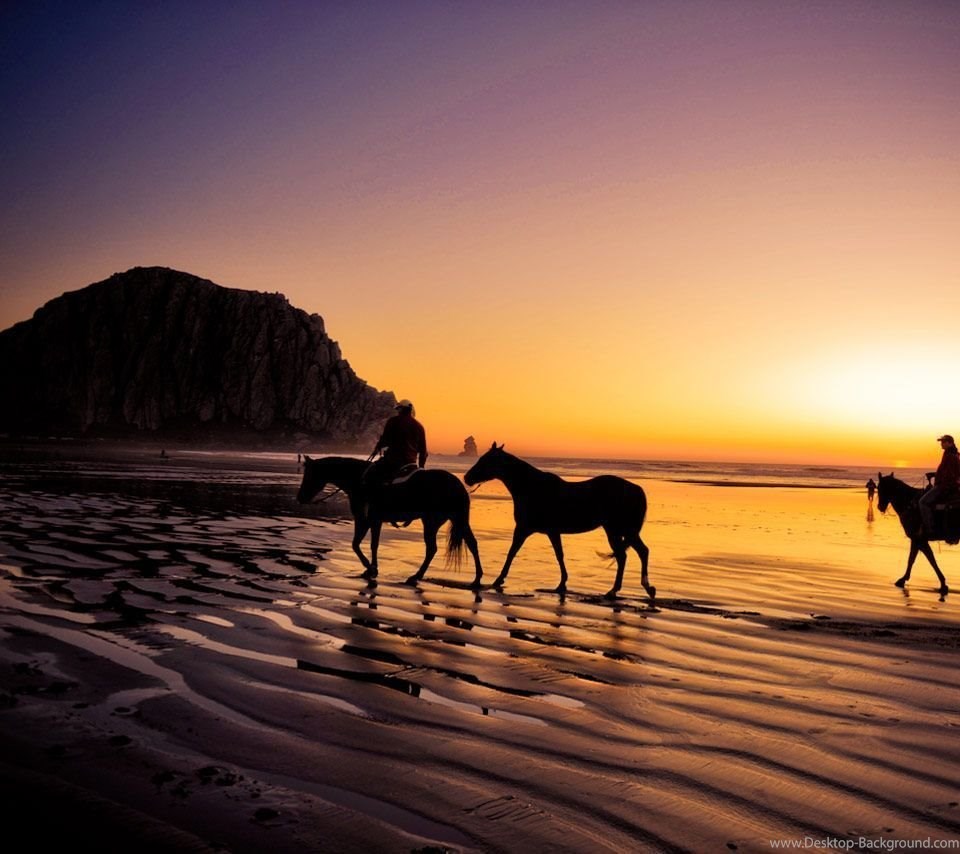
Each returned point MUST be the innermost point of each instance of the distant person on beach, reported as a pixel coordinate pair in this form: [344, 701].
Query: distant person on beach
[945, 482]
[402, 443]
[871, 489]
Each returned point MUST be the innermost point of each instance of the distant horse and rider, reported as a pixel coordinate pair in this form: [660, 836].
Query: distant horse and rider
[929, 514]
[905, 500]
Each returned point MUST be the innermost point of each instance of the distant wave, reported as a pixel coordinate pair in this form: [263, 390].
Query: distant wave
[719, 473]
[781, 484]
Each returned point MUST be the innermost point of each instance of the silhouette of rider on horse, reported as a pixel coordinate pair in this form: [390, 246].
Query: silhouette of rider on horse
[946, 480]
[402, 444]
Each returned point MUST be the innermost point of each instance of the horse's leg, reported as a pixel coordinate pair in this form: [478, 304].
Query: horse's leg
[360, 528]
[928, 554]
[519, 538]
[374, 545]
[619, 548]
[430, 528]
[641, 548]
[558, 551]
[914, 551]
[471, 541]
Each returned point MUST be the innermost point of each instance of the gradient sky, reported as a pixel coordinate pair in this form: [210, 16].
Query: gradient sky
[721, 230]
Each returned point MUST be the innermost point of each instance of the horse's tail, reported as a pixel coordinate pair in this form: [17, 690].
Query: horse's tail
[633, 524]
[642, 509]
[457, 537]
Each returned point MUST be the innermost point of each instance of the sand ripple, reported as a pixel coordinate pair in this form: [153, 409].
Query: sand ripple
[344, 715]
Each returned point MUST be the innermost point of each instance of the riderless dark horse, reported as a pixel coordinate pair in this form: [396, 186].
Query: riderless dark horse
[433, 495]
[544, 503]
[903, 498]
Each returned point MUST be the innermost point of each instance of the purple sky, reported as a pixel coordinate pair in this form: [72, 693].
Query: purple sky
[452, 168]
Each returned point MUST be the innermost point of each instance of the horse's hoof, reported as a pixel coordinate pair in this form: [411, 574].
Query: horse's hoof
[653, 592]
[944, 588]
[412, 580]
[561, 589]
[498, 584]
[900, 582]
[611, 595]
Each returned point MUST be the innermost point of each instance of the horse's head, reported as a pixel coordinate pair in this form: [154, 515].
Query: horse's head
[314, 480]
[886, 484]
[488, 467]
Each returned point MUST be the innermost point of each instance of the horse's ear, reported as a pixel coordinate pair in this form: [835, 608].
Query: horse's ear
[879, 475]
[501, 446]
[493, 447]
[307, 459]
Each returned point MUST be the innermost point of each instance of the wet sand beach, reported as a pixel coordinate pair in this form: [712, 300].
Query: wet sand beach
[189, 661]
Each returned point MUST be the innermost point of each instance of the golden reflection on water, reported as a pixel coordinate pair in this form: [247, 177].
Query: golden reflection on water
[769, 549]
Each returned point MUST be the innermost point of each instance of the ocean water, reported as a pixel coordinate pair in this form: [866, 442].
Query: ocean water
[712, 473]
[677, 471]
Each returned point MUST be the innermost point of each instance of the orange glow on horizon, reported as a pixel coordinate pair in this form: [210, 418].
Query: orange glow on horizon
[637, 230]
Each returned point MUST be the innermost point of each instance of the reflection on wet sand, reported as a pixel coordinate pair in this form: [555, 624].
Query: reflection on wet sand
[147, 640]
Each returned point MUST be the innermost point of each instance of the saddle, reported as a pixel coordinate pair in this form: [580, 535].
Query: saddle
[404, 474]
[946, 519]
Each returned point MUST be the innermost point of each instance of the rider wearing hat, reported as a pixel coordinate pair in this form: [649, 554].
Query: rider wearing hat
[946, 479]
[405, 442]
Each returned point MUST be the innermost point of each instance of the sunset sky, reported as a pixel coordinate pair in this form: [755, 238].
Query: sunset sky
[719, 230]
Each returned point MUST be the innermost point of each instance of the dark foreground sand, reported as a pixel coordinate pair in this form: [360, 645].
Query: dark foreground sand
[177, 675]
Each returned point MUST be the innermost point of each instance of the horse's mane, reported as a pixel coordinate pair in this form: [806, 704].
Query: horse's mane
[336, 468]
[352, 461]
[901, 487]
[529, 468]
[903, 499]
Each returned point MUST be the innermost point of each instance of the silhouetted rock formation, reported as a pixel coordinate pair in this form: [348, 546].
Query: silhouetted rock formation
[469, 448]
[155, 352]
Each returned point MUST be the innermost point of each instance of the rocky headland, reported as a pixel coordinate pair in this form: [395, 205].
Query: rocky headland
[154, 353]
